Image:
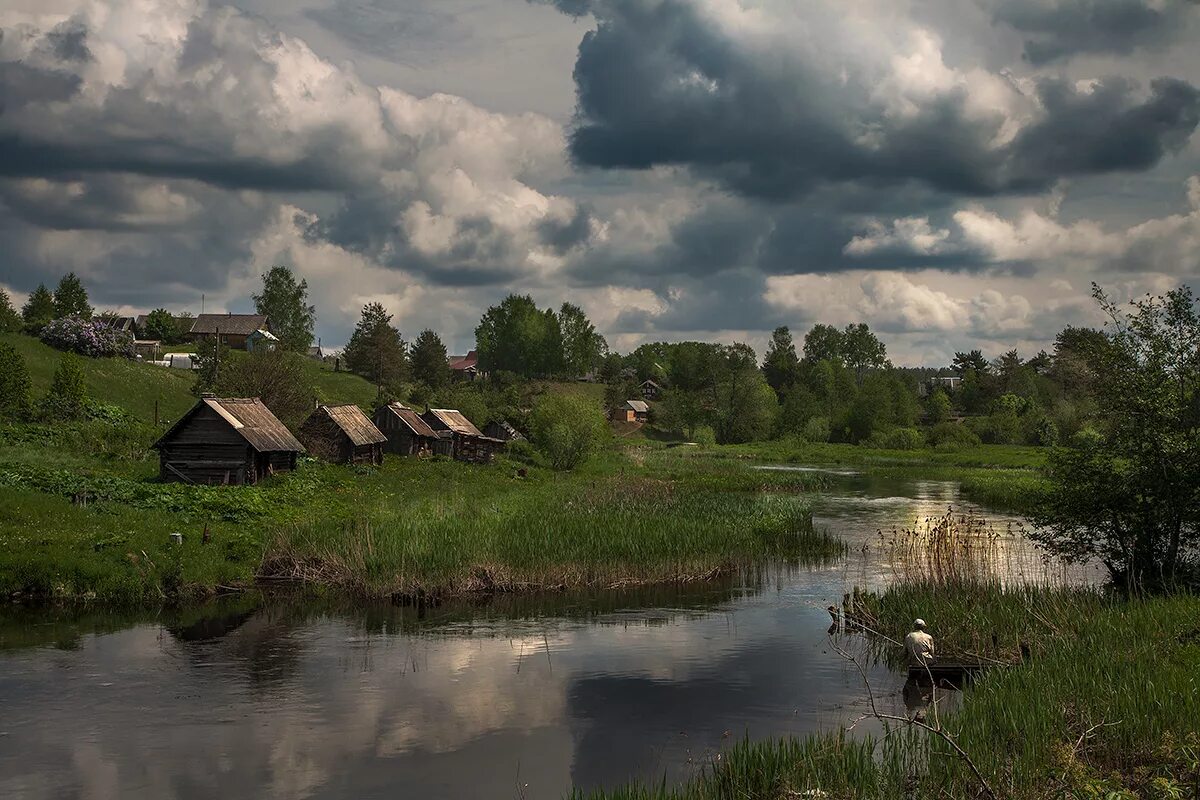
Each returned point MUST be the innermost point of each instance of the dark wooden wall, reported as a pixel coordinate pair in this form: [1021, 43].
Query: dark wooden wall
[206, 449]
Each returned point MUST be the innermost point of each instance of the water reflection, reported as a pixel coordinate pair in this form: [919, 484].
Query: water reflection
[515, 696]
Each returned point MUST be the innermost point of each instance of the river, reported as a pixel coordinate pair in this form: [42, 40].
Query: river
[516, 697]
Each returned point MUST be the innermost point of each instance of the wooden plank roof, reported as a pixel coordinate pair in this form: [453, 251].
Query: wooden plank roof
[412, 419]
[455, 421]
[252, 420]
[231, 324]
[354, 423]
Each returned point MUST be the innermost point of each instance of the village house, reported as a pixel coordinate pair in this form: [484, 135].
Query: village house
[342, 434]
[651, 390]
[465, 367]
[261, 340]
[226, 441]
[234, 329]
[409, 435]
[469, 443]
[632, 411]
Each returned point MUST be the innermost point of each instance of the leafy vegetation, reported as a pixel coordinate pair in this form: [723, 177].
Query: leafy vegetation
[285, 302]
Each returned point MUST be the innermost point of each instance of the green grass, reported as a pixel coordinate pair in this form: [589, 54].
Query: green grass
[129, 384]
[1106, 707]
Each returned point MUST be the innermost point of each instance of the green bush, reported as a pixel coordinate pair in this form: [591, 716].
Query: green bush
[14, 384]
[896, 439]
[817, 429]
[705, 436]
[567, 429]
[951, 435]
[67, 398]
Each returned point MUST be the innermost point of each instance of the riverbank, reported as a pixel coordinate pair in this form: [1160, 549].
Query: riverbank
[408, 528]
[1105, 705]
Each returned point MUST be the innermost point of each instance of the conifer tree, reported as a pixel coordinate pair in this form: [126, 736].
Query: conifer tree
[70, 298]
[67, 398]
[15, 385]
[10, 320]
[38, 310]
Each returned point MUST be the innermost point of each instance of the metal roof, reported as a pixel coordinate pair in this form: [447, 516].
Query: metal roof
[231, 324]
[412, 419]
[354, 423]
[640, 406]
[253, 421]
[455, 421]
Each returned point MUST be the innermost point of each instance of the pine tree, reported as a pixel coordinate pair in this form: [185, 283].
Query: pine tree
[38, 310]
[67, 398]
[375, 350]
[428, 359]
[781, 365]
[70, 298]
[10, 320]
[15, 386]
[285, 303]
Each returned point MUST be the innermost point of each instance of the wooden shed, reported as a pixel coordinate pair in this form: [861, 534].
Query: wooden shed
[407, 434]
[502, 430]
[229, 440]
[343, 434]
[469, 443]
[632, 411]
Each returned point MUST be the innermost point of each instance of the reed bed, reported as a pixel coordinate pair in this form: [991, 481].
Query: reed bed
[616, 531]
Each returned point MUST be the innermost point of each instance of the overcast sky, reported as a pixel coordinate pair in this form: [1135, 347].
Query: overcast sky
[956, 173]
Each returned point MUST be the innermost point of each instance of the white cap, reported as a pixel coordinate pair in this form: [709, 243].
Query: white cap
[919, 623]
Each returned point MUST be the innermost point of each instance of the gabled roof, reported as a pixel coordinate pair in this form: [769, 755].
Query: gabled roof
[649, 382]
[265, 334]
[468, 361]
[252, 420]
[354, 423]
[640, 406]
[455, 421]
[412, 419]
[231, 324]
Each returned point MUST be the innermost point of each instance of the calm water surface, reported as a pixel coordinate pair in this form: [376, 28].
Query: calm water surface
[520, 697]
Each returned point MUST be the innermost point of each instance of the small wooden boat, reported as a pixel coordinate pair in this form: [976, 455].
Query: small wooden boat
[954, 673]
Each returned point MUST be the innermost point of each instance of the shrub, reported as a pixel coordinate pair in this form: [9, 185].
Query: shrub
[817, 429]
[67, 398]
[896, 439]
[92, 338]
[567, 429]
[705, 436]
[14, 384]
[951, 435]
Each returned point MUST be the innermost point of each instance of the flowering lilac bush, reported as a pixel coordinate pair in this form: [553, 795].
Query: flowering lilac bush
[92, 338]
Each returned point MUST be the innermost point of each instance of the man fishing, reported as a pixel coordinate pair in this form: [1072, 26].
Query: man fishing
[919, 645]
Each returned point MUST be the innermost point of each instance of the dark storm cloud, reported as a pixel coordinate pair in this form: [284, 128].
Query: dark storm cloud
[21, 84]
[68, 41]
[1059, 29]
[659, 83]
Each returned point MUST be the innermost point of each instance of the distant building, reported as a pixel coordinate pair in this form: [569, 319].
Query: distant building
[408, 434]
[234, 329]
[469, 443]
[950, 382]
[262, 340]
[342, 434]
[502, 430]
[226, 441]
[632, 411]
[465, 367]
[651, 390]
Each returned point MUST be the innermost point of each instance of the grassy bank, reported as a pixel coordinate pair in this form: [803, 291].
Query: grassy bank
[1106, 706]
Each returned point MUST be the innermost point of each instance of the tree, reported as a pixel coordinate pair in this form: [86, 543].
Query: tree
[583, 347]
[277, 377]
[972, 361]
[1130, 496]
[15, 386]
[10, 320]
[285, 303]
[937, 407]
[375, 350]
[160, 325]
[744, 407]
[781, 365]
[71, 299]
[67, 398]
[212, 362]
[38, 309]
[567, 429]
[824, 343]
[862, 350]
[428, 359]
[516, 337]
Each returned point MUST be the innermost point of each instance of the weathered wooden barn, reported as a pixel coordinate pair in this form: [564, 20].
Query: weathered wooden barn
[407, 434]
[632, 411]
[226, 441]
[469, 443]
[651, 390]
[342, 434]
[502, 430]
